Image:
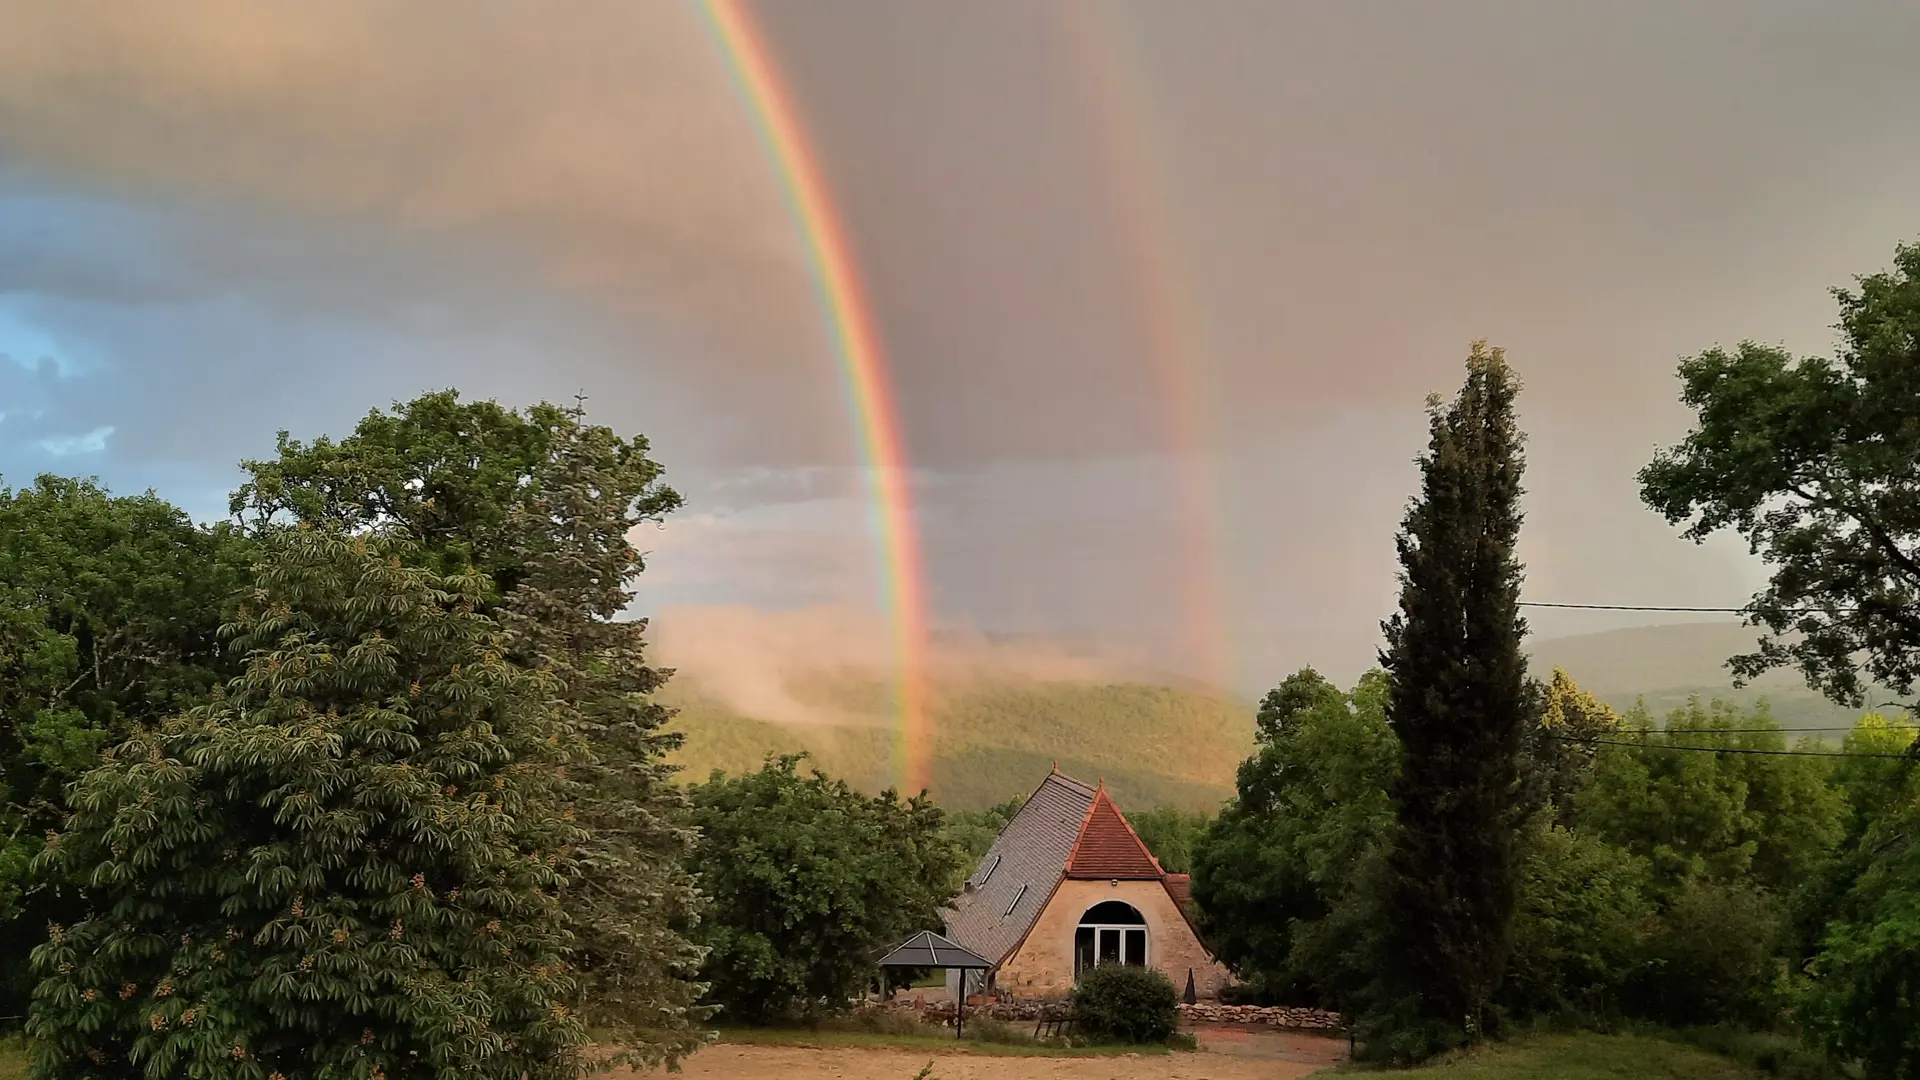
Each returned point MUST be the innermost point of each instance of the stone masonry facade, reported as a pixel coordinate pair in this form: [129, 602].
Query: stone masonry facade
[1042, 966]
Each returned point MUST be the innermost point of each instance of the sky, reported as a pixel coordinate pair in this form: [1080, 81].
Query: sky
[1161, 288]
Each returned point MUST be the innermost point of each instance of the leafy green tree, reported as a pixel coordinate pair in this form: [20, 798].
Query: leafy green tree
[109, 608]
[1460, 701]
[543, 505]
[352, 864]
[1171, 834]
[1712, 958]
[809, 879]
[1814, 462]
[974, 831]
[1577, 930]
[1572, 726]
[563, 620]
[1764, 817]
[1282, 862]
[1864, 1000]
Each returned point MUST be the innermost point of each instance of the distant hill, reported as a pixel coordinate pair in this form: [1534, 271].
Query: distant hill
[1665, 665]
[994, 737]
[1156, 742]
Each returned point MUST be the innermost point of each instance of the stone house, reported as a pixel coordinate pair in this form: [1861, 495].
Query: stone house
[1067, 885]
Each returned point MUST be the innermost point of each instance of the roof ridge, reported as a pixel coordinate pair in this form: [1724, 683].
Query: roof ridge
[1056, 774]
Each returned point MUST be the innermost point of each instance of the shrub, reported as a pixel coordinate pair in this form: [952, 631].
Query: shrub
[1577, 926]
[1711, 959]
[1127, 1004]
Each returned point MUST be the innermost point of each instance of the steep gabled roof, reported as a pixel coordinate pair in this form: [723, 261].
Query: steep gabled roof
[1064, 830]
[1107, 846]
[1017, 876]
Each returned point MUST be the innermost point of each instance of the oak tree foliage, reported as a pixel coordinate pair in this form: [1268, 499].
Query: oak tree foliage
[1813, 461]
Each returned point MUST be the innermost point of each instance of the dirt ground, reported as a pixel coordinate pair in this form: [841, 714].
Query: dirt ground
[1226, 1053]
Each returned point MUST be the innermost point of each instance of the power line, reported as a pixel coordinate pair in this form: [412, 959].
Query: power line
[1835, 609]
[1728, 749]
[1630, 607]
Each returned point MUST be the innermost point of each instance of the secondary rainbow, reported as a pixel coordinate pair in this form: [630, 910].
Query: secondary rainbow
[1105, 61]
[863, 365]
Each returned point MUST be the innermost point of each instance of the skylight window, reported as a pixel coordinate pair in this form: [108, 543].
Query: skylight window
[1016, 902]
[991, 867]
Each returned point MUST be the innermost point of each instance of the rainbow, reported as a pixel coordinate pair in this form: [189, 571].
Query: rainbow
[862, 361]
[1178, 328]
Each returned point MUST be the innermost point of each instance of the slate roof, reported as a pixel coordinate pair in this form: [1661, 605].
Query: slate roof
[1065, 829]
[1109, 848]
[1017, 876]
[927, 949]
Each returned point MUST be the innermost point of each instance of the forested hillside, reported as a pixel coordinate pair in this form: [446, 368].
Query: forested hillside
[995, 737]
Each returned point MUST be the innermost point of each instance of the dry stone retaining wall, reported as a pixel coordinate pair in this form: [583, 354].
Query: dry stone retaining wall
[1279, 1016]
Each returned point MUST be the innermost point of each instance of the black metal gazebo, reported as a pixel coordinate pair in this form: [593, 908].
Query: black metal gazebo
[927, 949]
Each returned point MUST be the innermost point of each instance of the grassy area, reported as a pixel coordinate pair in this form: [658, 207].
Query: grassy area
[932, 1042]
[13, 1059]
[1582, 1057]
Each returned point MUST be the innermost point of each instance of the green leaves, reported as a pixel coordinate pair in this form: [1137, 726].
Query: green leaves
[356, 860]
[108, 608]
[1812, 461]
[1282, 862]
[808, 878]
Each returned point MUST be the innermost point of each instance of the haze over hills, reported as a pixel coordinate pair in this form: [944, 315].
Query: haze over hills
[1005, 709]
[1666, 665]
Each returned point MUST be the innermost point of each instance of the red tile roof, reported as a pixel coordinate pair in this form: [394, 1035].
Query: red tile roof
[1107, 846]
[1180, 887]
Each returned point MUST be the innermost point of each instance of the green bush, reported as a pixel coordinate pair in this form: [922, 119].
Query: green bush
[1127, 1004]
[1577, 926]
[1711, 959]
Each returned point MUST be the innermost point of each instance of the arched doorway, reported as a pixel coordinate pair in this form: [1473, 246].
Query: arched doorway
[1110, 932]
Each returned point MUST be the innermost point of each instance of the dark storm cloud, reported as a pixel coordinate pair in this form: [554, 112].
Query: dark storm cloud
[253, 217]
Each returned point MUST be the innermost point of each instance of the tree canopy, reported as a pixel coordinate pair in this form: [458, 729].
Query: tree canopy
[109, 608]
[809, 880]
[1278, 873]
[1812, 461]
[352, 863]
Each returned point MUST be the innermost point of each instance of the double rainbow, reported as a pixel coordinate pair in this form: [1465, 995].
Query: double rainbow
[863, 366]
[1177, 326]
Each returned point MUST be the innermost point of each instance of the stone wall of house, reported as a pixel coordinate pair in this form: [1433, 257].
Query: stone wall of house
[1042, 967]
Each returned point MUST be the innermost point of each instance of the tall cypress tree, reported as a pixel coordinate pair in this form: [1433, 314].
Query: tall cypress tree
[1460, 701]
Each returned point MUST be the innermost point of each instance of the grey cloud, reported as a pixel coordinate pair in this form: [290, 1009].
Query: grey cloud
[280, 216]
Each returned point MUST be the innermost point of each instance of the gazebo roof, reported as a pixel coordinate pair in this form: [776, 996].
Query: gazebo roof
[927, 949]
